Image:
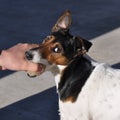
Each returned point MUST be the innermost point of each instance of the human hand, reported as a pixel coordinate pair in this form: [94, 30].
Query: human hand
[14, 58]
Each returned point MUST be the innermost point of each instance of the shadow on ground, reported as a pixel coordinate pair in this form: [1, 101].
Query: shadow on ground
[117, 66]
[42, 106]
[5, 73]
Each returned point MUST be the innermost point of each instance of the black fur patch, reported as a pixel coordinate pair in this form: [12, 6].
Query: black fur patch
[67, 43]
[74, 78]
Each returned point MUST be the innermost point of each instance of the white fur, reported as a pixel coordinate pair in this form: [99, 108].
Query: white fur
[36, 57]
[99, 98]
[57, 76]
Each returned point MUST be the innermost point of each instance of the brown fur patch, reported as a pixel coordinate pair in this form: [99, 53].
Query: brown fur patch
[48, 39]
[48, 53]
[70, 99]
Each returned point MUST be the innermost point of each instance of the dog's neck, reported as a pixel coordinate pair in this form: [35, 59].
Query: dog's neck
[58, 74]
[77, 72]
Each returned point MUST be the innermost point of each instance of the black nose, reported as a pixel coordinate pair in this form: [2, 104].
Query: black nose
[29, 55]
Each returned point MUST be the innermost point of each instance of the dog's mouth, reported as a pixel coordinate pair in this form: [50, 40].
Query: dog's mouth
[41, 69]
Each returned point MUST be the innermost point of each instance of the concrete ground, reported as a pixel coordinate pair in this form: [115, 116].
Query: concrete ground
[24, 98]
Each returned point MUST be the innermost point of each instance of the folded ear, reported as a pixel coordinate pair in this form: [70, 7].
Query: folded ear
[87, 44]
[83, 45]
[63, 22]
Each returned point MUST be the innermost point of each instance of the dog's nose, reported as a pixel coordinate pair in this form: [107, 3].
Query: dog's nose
[29, 55]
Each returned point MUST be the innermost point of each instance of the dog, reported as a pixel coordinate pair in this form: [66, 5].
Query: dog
[87, 90]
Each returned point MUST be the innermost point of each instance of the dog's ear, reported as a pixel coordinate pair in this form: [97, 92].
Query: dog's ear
[83, 45]
[64, 22]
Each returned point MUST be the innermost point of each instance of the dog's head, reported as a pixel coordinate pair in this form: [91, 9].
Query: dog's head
[60, 47]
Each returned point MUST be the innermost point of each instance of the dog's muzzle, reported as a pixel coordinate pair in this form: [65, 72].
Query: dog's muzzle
[28, 55]
[34, 56]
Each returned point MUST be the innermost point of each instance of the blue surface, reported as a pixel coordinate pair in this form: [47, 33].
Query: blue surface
[42, 106]
[31, 20]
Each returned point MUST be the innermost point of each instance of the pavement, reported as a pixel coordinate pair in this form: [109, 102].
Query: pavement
[24, 98]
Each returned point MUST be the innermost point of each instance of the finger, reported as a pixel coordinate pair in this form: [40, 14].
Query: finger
[34, 67]
[33, 46]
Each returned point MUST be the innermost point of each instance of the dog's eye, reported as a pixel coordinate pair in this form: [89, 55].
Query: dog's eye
[57, 50]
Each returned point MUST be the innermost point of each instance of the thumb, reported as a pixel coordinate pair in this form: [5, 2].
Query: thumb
[34, 67]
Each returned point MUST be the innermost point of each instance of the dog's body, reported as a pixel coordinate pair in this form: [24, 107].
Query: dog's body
[87, 90]
[99, 98]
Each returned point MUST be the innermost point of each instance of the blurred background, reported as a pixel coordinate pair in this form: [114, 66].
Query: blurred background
[29, 21]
